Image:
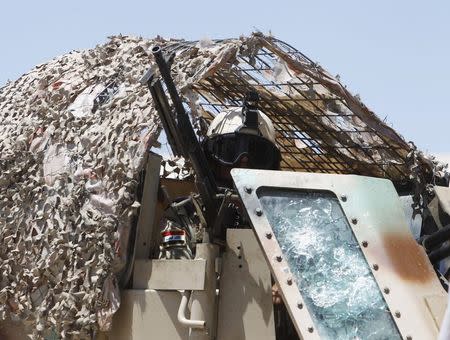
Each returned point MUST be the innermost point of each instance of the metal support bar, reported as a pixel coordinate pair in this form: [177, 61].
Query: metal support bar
[145, 232]
[140, 239]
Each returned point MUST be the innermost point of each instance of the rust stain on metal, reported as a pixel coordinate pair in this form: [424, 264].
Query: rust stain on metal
[407, 258]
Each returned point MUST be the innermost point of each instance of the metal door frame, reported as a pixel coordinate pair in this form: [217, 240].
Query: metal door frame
[399, 265]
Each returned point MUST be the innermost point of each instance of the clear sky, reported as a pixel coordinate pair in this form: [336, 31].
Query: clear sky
[395, 54]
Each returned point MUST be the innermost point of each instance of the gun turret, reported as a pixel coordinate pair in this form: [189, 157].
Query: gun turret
[181, 134]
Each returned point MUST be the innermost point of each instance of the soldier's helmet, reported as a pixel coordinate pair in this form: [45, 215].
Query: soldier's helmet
[241, 138]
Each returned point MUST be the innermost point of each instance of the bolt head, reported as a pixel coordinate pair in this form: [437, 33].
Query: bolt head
[299, 305]
[258, 212]
[365, 244]
[343, 198]
[310, 329]
[375, 266]
[289, 281]
[397, 314]
[386, 290]
[278, 258]
[268, 235]
[408, 337]
[354, 220]
[248, 190]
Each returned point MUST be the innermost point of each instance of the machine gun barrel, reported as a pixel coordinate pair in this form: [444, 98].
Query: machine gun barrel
[205, 181]
[164, 70]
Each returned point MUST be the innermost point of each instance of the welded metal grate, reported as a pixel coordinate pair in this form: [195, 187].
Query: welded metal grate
[320, 126]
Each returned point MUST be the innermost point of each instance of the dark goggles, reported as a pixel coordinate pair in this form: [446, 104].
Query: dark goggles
[230, 149]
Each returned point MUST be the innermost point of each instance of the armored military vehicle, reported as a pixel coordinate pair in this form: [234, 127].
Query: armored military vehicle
[274, 204]
[345, 238]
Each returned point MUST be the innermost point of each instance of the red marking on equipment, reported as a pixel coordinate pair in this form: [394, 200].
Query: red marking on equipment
[173, 232]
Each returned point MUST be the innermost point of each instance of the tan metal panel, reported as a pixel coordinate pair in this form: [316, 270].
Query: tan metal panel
[437, 305]
[245, 300]
[145, 224]
[169, 274]
[148, 314]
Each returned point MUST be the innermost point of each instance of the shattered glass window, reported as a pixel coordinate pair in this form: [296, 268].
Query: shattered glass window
[331, 272]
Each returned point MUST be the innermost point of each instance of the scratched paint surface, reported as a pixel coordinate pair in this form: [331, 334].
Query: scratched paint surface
[330, 270]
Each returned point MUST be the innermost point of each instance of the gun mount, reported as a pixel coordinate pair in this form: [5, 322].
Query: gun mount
[182, 134]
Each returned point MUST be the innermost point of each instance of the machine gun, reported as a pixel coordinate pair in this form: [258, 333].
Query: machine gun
[180, 133]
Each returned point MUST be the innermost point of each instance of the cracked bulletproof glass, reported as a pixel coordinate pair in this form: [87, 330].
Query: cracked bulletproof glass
[331, 272]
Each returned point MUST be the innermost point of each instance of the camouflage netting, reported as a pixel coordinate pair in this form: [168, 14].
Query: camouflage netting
[74, 133]
[73, 136]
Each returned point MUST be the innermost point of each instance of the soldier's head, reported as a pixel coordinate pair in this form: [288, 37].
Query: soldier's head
[241, 138]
